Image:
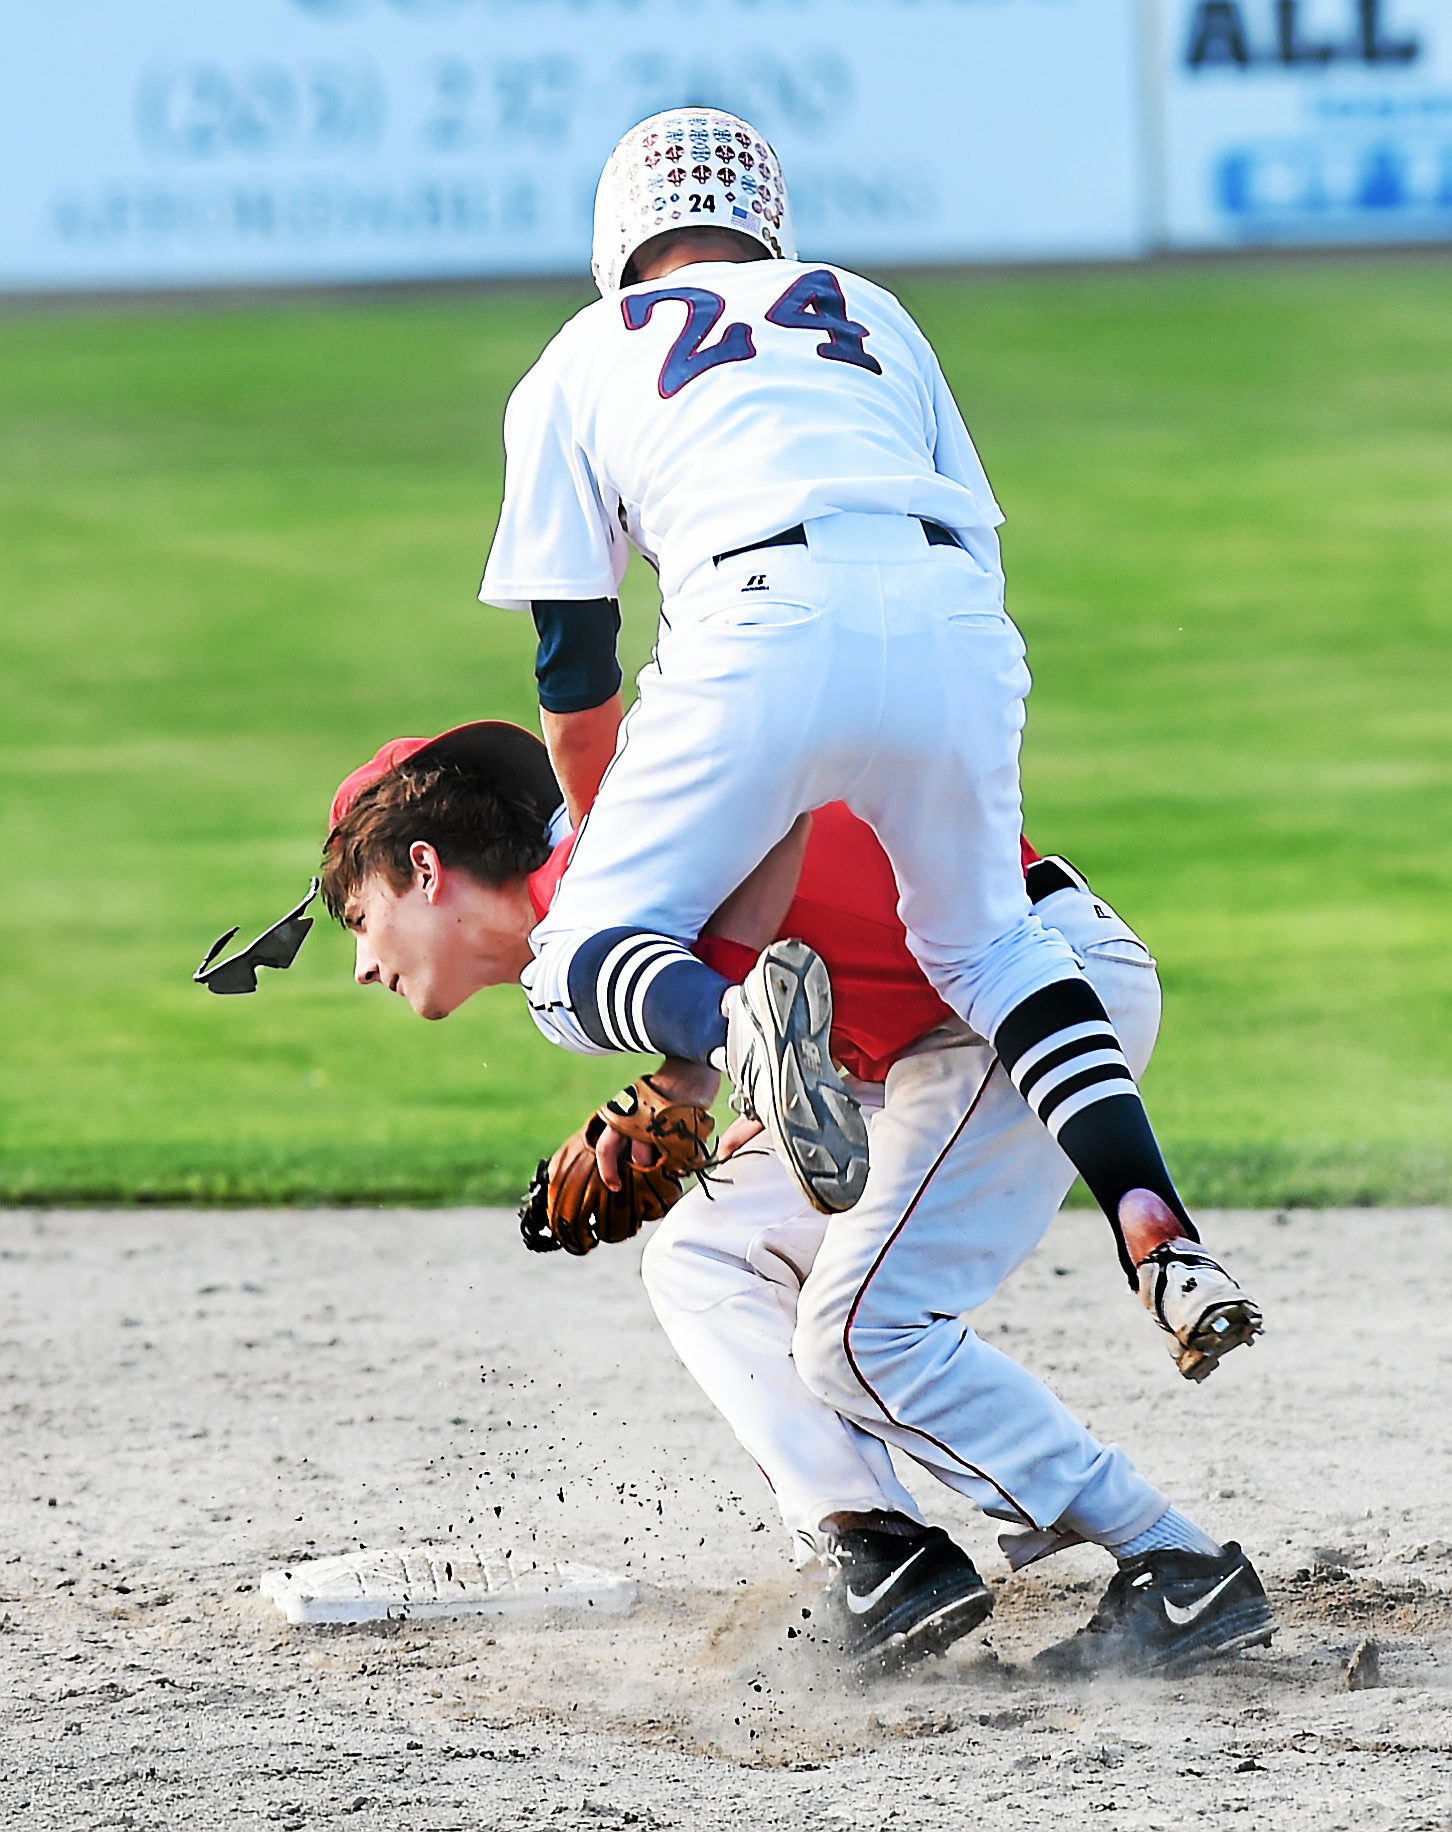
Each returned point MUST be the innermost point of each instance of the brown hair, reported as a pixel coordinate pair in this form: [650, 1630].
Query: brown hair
[707, 242]
[471, 822]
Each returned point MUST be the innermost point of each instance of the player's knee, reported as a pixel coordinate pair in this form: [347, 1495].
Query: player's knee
[823, 1369]
[680, 1268]
[819, 1350]
[665, 1261]
[899, 1366]
[850, 1362]
[1131, 995]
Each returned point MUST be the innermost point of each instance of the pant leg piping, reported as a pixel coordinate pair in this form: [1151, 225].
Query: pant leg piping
[1020, 1511]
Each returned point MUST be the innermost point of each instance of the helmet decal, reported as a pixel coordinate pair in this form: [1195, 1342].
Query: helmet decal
[688, 168]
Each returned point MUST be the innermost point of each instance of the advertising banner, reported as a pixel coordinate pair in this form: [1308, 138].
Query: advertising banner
[1306, 120]
[170, 143]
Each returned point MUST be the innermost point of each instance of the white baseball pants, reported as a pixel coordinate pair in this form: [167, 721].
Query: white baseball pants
[827, 1341]
[867, 667]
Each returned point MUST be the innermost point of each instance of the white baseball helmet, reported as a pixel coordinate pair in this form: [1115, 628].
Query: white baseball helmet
[689, 168]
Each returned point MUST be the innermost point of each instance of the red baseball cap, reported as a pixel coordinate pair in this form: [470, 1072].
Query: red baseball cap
[487, 747]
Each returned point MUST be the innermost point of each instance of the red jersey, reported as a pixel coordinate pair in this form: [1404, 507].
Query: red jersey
[846, 908]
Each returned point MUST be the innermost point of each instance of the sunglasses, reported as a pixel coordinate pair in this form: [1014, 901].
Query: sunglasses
[276, 948]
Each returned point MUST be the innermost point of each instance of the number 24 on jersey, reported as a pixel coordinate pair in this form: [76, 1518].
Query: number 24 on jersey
[814, 302]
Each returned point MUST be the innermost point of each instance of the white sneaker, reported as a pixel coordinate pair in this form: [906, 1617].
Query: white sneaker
[1197, 1304]
[777, 1053]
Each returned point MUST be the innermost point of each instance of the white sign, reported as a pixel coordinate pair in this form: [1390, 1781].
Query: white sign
[167, 142]
[1307, 120]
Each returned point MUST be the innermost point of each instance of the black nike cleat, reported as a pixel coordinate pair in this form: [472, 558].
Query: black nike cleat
[1166, 1612]
[894, 1598]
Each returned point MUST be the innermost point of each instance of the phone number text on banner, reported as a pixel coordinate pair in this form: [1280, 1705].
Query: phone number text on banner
[255, 140]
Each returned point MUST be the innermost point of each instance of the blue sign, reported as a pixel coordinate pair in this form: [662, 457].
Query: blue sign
[1307, 120]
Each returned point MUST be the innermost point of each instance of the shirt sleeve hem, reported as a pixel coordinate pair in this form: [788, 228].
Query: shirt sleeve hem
[518, 595]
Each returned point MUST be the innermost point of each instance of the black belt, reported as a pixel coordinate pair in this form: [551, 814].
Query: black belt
[1045, 876]
[937, 536]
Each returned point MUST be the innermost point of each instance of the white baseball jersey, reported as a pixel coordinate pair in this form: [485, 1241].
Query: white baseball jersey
[694, 416]
[679, 413]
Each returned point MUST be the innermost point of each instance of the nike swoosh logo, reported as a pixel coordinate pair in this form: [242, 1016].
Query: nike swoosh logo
[859, 1605]
[1181, 1615]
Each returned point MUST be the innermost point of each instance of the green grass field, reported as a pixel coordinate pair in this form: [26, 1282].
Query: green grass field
[240, 549]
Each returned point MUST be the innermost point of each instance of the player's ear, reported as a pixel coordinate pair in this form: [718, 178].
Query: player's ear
[428, 869]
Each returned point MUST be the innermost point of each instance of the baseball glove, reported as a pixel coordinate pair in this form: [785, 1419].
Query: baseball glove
[569, 1205]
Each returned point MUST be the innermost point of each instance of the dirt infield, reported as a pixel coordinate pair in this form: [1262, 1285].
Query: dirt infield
[189, 1398]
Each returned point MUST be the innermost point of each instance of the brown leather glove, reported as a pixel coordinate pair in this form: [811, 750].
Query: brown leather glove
[569, 1205]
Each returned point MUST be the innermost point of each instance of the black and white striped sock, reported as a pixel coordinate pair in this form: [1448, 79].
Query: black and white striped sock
[1063, 1055]
[634, 990]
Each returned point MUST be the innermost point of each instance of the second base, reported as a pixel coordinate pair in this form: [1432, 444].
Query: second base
[417, 1582]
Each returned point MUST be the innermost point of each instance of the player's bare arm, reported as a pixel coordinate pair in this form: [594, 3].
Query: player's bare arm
[581, 745]
[577, 673]
[754, 912]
